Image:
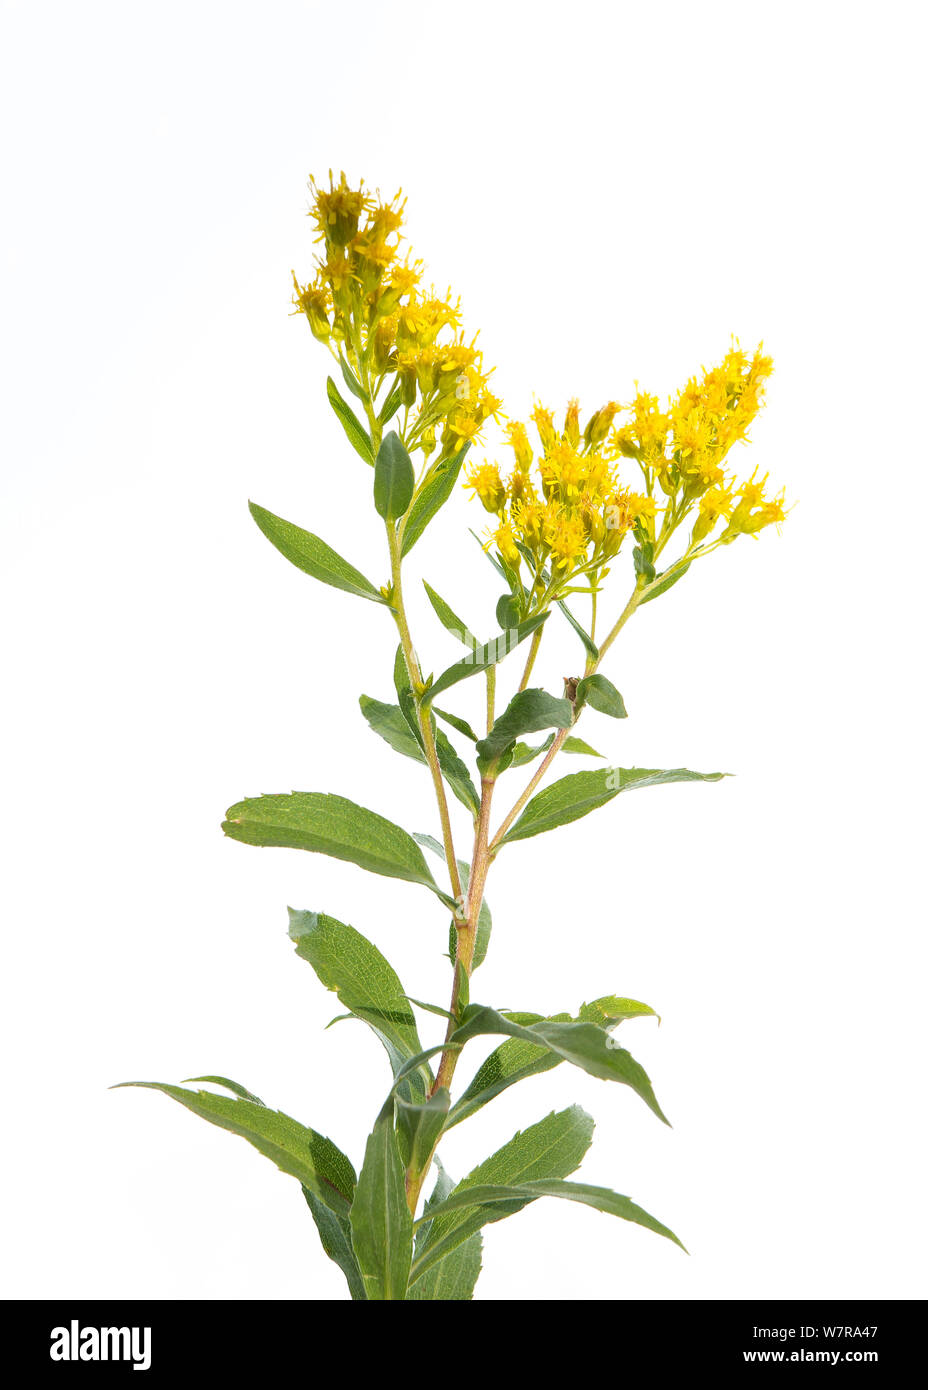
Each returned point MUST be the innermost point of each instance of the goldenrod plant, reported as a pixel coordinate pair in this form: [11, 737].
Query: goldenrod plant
[412, 392]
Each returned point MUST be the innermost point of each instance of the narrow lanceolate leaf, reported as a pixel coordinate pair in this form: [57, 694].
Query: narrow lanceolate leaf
[461, 725]
[329, 825]
[454, 1277]
[364, 980]
[600, 694]
[522, 753]
[232, 1086]
[312, 1158]
[381, 1222]
[392, 403]
[483, 1200]
[663, 582]
[419, 1124]
[581, 792]
[483, 656]
[313, 556]
[335, 1236]
[584, 1044]
[581, 632]
[449, 619]
[394, 478]
[357, 434]
[455, 772]
[526, 713]
[513, 1061]
[552, 1148]
[434, 493]
[392, 725]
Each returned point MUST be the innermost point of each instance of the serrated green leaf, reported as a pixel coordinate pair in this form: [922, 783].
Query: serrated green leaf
[491, 1202]
[526, 713]
[232, 1086]
[381, 1222]
[552, 1148]
[585, 1045]
[331, 825]
[335, 1236]
[448, 618]
[358, 436]
[483, 656]
[431, 497]
[600, 694]
[581, 792]
[364, 980]
[394, 478]
[313, 556]
[300, 1152]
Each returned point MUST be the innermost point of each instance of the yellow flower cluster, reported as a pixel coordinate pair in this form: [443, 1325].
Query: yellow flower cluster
[682, 450]
[367, 304]
[569, 513]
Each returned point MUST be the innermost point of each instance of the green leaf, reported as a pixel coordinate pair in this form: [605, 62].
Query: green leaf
[577, 745]
[508, 611]
[581, 792]
[600, 694]
[484, 917]
[581, 632]
[449, 619]
[527, 712]
[358, 436]
[461, 725]
[513, 1061]
[419, 1124]
[663, 582]
[454, 1277]
[585, 1045]
[455, 772]
[351, 381]
[313, 556]
[391, 724]
[232, 1086]
[483, 656]
[611, 1009]
[394, 478]
[491, 1202]
[302, 1153]
[335, 1235]
[365, 982]
[381, 1222]
[329, 825]
[552, 1148]
[392, 403]
[432, 496]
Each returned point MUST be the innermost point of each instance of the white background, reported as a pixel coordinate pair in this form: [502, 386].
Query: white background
[613, 190]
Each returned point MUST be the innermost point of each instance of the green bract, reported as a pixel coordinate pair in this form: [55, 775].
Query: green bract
[405, 361]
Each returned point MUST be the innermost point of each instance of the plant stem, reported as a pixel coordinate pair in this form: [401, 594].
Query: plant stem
[425, 718]
[532, 653]
[466, 943]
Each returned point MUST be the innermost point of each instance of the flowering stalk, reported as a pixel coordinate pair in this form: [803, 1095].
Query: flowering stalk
[561, 519]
